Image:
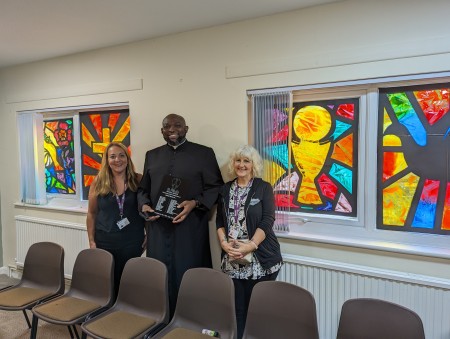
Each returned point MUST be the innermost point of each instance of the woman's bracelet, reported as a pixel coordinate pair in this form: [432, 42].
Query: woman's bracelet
[254, 243]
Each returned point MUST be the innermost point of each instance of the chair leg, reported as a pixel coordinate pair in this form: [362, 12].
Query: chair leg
[75, 331]
[83, 335]
[34, 327]
[26, 318]
[70, 331]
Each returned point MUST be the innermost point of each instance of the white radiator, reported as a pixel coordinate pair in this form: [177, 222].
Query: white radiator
[72, 237]
[332, 283]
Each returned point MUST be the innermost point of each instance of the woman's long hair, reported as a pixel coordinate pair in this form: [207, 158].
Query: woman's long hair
[105, 179]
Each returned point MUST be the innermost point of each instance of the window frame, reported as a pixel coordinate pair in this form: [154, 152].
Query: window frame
[362, 231]
[60, 200]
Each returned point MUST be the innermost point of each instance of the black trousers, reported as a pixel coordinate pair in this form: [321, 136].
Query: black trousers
[242, 292]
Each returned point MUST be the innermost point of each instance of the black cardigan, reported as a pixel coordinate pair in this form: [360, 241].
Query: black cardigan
[260, 213]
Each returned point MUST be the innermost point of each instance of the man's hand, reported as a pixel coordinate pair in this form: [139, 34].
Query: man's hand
[149, 213]
[187, 206]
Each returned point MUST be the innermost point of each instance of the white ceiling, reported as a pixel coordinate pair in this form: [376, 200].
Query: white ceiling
[32, 30]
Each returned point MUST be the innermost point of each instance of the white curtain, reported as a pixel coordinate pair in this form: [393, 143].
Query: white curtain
[32, 177]
[270, 114]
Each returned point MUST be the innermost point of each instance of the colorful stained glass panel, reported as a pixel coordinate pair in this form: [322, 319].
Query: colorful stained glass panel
[97, 130]
[59, 156]
[414, 159]
[317, 173]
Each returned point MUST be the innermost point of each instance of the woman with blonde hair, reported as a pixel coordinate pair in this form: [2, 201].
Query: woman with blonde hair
[245, 216]
[113, 221]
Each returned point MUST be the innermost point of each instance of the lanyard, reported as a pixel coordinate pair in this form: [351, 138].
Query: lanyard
[121, 201]
[238, 200]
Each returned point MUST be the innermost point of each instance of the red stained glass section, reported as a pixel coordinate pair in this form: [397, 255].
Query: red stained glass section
[327, 186]
[346, 111]
[285, 200]
[281, 135]
[434, 103]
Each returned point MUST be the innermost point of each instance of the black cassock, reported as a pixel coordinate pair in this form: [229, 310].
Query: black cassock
[184, 245]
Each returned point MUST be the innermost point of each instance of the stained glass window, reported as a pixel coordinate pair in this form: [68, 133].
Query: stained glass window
[97, 130]
[414, 159]
[59, 156]
[311, 153]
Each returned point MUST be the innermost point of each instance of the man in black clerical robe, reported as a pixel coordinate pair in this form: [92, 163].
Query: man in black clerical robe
[183, 242]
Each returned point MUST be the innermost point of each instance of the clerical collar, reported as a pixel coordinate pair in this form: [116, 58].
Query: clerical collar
[181, 143]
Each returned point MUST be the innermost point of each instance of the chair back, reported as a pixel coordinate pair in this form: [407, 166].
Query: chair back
[92, 276]
[206, 301]
[44, 267]
[281, 310]
[143, 289]
[373, 319]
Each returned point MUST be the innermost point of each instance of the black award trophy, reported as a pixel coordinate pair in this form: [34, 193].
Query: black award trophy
[171, 193]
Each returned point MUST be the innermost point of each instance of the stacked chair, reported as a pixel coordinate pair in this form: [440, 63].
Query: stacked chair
[91, 292]
[141, 307]
[374, 319]
[42, 279]
[281, 310]
[205, 301]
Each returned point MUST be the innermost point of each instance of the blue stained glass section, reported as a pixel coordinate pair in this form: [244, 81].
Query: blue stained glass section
[343, 175]
[279, 153]
[425, 215]
[341, 127]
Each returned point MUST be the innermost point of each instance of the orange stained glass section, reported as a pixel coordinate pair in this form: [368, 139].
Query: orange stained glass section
[394, 162]
[343, 150]
[86, 136]
[397, 200]
[96, 120]
[112, 121]
[123, 132]
[88, 179]
[88, 161]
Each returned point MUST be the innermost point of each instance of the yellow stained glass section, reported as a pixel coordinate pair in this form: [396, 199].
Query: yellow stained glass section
[386, 121]
[123, 132]
[397, 200]
[272, 172]
[309, 158]
[391, 140]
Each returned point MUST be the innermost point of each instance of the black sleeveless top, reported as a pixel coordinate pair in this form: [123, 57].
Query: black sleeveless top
[108, 214]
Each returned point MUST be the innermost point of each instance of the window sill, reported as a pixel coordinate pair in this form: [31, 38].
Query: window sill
[60, 205]
[420, 244]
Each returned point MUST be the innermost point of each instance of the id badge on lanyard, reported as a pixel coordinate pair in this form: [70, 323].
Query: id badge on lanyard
[120, 202]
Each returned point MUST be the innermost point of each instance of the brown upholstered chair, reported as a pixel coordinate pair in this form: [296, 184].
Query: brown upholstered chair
[141, 306]
[91, 292]
[374, 319]
[281, 310]
[42, 279]
[205, 301]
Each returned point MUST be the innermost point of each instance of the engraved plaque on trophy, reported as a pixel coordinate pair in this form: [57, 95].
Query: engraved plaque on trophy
[171, 193]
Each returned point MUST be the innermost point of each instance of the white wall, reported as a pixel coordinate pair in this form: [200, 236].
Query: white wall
[204, 76]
